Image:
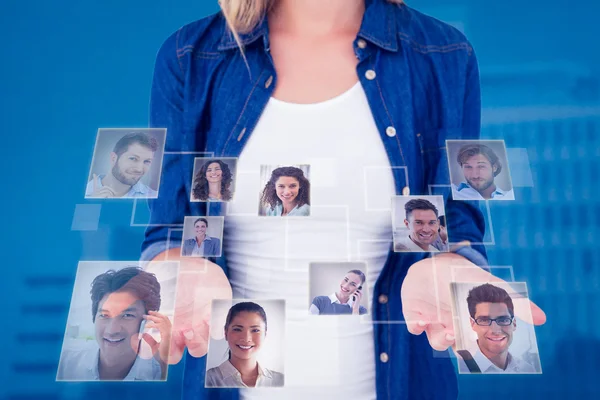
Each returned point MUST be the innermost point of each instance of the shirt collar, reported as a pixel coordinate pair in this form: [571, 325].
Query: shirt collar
[135, 372]
[139, 187]
[92, 367]
[333, 298]
[378, 27]
[465, 185]
[485, 364]
[228, 370]
[413, 246]
[206, 238]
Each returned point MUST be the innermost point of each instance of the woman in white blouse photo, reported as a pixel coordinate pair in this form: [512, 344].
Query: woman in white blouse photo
[245, 332]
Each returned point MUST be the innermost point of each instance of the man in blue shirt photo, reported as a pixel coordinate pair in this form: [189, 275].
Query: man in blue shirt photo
[130, 160]
[480, 165]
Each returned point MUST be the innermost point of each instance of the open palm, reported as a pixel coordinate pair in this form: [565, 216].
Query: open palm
[426, 298]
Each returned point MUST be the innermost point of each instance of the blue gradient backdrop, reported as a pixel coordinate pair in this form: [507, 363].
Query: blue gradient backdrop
[69, 67]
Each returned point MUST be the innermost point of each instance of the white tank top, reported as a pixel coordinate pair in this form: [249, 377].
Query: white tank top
[326, 357]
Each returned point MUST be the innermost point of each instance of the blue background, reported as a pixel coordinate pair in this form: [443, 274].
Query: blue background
[70, 67]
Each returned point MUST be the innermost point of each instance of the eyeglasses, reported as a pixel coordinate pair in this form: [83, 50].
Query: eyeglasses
[501, 321]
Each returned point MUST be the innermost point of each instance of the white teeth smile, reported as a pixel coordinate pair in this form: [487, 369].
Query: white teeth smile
[496, 339]
[114, 340]
[244, 347]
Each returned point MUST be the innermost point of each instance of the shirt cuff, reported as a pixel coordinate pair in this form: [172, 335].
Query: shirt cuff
[472, 255]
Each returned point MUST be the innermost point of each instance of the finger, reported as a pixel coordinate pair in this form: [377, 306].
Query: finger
[94, 178]
[197, 340]
[415, 322]
[155, 318]
[157, 314]
[105, 192]
[177, 348]
[527, 310]
[440, 337]
[154, 345]
[107, 189]
[150, 325]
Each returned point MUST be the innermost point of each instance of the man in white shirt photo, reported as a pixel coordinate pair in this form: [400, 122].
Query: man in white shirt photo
[124, 304]
[423, 223]
[492, 318]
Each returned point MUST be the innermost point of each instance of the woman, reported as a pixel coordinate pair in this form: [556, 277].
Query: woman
[212, 182]
[201, 245]
[245, 332]
[367, 92]
[286, 193]
[346, 300]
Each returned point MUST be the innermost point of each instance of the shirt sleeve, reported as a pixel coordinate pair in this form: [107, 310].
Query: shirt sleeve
[167, 110]
[217, 247]
[465, 221]
[314, 307]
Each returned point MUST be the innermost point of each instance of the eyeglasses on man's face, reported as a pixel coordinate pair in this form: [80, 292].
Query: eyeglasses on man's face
[487, 321]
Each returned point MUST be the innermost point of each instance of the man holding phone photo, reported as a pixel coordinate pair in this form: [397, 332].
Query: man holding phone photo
[346, 300]
[124, 304]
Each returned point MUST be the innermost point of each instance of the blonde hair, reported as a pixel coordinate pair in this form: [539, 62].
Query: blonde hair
[244, 15]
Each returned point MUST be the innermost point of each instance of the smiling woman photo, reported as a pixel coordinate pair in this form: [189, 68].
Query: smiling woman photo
[345, 300]
[286, 193]
[201, 245]
[245, 332]
[212, 182]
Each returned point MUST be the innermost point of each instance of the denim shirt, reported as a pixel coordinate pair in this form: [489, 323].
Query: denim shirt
[421, 80]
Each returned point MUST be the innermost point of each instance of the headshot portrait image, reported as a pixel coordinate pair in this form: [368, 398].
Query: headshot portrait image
[246, 344]
[491, 339]
[202, 237]
[119, 323]
[285, 191]
[419, 224]
[126, 164]
[338, 288]
[214, 179]
[479, 170]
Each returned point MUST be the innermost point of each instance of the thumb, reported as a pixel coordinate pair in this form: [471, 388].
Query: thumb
[94, 180]
[539, 316]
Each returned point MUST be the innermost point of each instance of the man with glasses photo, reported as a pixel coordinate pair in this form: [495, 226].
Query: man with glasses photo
[493, 320]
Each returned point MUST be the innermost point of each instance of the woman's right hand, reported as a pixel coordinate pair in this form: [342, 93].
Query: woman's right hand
[199, 281]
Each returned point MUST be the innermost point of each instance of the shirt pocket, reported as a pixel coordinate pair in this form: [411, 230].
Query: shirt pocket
[434, 157]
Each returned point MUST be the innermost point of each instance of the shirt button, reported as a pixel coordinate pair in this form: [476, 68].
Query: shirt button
[390, 131]
[384, 357]
[406, 191]
[241, 135]
[268, 82]
[361, 43]
[383, 299]
[370, 74]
